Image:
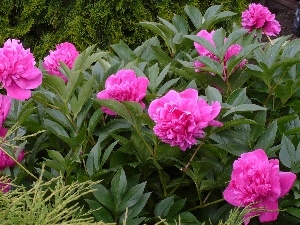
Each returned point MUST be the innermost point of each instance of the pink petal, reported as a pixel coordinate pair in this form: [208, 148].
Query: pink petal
[286, 180]
[3, 131]
[16, 92]
[30, 83]
[231, 195]
[189, 93]
[271, 214]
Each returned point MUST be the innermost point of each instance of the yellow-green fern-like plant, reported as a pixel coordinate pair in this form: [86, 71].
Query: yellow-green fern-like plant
[46, 203]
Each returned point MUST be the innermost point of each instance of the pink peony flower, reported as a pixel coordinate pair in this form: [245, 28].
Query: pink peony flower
[5, 103]
[181, 117]
[5, 185]
[258, 183]
[18, 73]
[5, 160]
[124, 86]
[202, 51]
[64, 52]
[258, 16]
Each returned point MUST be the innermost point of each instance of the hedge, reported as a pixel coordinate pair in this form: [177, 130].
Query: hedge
[41, 24]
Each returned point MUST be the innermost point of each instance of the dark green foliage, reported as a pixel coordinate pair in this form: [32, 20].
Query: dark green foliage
[41, 24]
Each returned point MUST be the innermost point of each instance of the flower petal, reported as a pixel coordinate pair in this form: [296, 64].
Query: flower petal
[286, 180]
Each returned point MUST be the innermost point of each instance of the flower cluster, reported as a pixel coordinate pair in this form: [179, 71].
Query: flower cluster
[182, 117]
[64, 52]
[257, 182]
[259, 17]
[202, 51]
[18, 73]
[124, 86]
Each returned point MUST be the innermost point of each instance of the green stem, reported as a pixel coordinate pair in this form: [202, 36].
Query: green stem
[207, 204]
[193, 156]
[162, 183]
[184, 170]
[144, 141]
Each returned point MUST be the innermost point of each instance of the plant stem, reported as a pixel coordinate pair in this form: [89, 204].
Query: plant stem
[141, 136]
[207, 204]
[162, 183]
[193, 156]
[269, 39]
[19, 164]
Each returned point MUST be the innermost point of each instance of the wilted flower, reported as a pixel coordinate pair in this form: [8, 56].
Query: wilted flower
[258, 16]
[182, 117]
[5, 160]
[124, 86]
[64, 52]
[257, 182]
[202, 51]
[18, 73]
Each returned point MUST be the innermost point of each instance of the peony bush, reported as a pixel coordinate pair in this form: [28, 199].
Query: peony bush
[198, 125]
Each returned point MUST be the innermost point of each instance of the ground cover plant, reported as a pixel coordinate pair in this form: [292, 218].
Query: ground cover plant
[198, 125]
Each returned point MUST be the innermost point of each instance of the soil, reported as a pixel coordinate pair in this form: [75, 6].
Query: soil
[284, 15]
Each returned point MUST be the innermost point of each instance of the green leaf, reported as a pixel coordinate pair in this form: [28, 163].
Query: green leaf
[211, 65]
[163, 207]
[210, 15]
[56, 156]
[82, 57]
[55, 128]
[237, 97]
[168, 24]
[55, 84]
[294, 211]
[92, 59]
[205, 43]
[84, 94]
[60, 118]
[167, 85]
[118, 186]
[124, 52]
[131, 197]
[103, 196]
[180, 24]
[244, 108]
[175, 209]
[134, 108]
[73, 82]
[235, 122]
[218, 38]
[94, 158]
[178, 38]
[116, 107]
[95, 118]
[138, 207]
[213, 95]
[112, 126]
[267, 138]
[162, 75]
[99, 212]
[234, 37]
[107, 152]
[160, 55]
[273, 50]
[287, 153]
[56, 166]
[194, 14]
